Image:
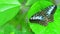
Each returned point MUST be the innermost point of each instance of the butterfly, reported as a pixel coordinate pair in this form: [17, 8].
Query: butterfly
[44, 16]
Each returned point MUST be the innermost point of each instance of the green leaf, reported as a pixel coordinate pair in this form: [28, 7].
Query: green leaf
[51, 28]
[1, 31]
[8, 9]
[10, 29]
[31, 2]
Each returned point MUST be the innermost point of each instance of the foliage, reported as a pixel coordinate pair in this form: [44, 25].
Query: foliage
[15, 14]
